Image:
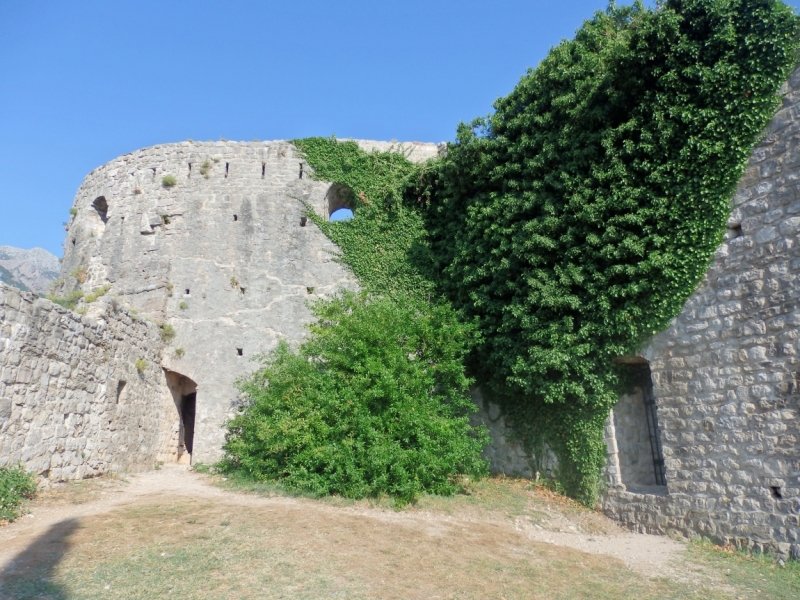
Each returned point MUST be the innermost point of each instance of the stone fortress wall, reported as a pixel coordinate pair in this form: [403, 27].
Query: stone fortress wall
[725, 377]
[709, 443]
[72, 402]
[225, 256]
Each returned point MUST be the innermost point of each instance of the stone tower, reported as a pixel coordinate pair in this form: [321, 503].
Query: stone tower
[224, 255]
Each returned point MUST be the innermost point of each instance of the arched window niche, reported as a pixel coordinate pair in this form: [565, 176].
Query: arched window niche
[101, 206]
[339, 200]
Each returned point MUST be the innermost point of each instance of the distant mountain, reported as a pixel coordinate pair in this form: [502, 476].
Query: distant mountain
[31, 270]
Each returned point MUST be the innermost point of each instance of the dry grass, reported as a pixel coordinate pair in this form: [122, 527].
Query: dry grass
[232, 546]
[201, 549]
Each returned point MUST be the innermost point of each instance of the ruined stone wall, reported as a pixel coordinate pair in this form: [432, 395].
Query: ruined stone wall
[725, 374]
[224, 255]
[63, 412]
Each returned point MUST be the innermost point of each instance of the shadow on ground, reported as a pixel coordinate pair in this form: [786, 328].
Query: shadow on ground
[30, 574]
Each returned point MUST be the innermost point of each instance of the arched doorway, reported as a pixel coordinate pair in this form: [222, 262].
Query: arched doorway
[184, 394]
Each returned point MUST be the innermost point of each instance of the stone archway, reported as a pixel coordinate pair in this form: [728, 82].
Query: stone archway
[184, 395]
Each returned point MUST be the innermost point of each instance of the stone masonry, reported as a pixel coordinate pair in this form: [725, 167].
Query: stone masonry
[72, 402]
[226, 256]
[726, 378]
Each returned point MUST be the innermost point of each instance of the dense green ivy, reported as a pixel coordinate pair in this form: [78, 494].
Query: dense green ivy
[576, 220]
[387, 245]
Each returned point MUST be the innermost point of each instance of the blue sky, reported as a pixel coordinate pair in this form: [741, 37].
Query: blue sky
[83, 81]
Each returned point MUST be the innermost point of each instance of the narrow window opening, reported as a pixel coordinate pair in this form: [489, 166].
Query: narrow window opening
[301, 170]
[121, 391]
[734, 232]
[122, 218]
[235, 217]
[153, 169]
[190, 170]
[303, 221]
[73, 241]
[241, 289]
[240, 351]
[263, 170]
[187, 291]
[776, 492]
[226, 169]
[101, 206]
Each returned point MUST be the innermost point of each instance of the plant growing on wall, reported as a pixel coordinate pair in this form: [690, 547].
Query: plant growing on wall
[168, 181]
[576, 220]
[167, 332]
[141, 365]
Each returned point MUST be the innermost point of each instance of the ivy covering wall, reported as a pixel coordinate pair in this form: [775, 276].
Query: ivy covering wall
[574, 222]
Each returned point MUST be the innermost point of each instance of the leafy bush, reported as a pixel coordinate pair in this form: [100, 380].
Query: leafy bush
[168, 181]
[374, 402]
[141, 365]
[73, 211]
[16, 485]
[575, 221]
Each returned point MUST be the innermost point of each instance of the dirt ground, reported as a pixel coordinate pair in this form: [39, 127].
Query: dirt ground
[88, 539]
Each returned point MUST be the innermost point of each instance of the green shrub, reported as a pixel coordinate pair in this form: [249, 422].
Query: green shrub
[168, 181]
[73, 211]
[179, 352]
[16, 485]
[167, 332]
[183, 305]
[141, 365]
[373, 403]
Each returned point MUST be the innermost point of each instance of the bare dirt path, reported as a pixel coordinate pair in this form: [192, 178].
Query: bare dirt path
[645, 554]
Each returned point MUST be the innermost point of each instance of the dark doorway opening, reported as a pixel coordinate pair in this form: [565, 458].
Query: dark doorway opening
[188, 407]
[184, 395]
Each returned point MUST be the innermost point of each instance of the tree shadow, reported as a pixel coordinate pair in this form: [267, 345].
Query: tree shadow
[30, 573]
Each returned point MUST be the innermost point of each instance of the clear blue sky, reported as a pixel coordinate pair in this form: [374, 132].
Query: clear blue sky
[82, 81]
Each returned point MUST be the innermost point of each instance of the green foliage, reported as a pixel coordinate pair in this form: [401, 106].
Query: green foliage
[68, 300]
[141, 365]
[168, 181]
[386, 243]
[575, 221]
[16, 485]
[373, 403]
[73, 211]
[183, 305]
[179, 352]
[167, 332]
[96, 294]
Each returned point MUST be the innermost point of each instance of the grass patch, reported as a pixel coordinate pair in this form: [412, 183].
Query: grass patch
[761, 573]
[69, 300]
